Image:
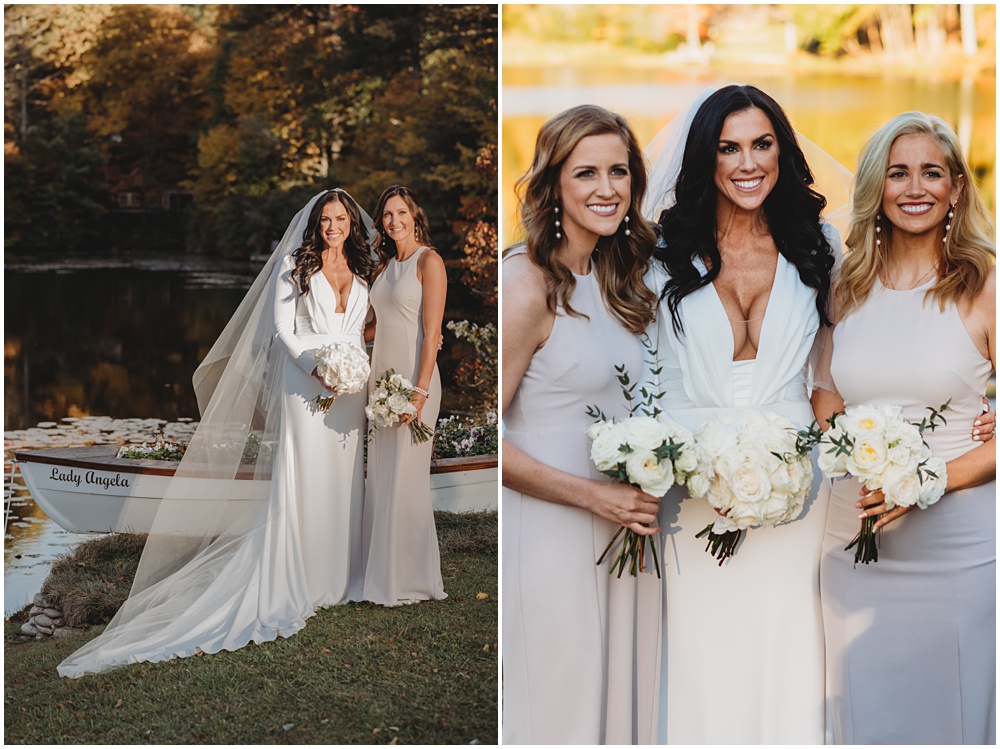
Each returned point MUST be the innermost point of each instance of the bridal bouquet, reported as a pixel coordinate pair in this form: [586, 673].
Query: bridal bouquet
[343, 368]
[757, 472]
[887, 453]
[390, 400]
[647, 450]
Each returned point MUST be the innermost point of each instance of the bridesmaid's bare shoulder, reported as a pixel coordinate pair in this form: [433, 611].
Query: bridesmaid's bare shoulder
[524, 294]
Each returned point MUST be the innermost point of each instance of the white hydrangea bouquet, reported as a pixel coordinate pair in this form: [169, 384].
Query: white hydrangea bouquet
[390, 400]
[647, 450]
[886, 453]
[757, 472]
[343, 368]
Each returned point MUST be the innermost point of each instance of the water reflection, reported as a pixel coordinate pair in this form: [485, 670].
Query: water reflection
[119, 340]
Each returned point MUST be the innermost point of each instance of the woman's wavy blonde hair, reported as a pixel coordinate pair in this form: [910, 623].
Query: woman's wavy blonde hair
[966, 258]
[620, 261]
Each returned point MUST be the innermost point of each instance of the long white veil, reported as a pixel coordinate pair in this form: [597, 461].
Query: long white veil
[220, 492]
[665, 153]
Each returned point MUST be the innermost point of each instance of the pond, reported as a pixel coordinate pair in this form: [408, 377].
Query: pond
[102, 349]
[837, 112]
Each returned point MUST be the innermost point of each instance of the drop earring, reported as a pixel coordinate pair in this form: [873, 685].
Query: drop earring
[558, 233]
[878, 230]
[627, 230]
[947, 226]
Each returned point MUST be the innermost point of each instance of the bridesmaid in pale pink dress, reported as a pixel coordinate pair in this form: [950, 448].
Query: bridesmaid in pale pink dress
[400, 545]
[911, 638]
[580, 647]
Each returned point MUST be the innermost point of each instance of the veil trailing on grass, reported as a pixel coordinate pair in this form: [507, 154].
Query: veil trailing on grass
[216, 506]
[665, 153]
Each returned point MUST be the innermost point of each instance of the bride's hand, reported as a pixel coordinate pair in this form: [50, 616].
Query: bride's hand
[627, 505]
[873, 504]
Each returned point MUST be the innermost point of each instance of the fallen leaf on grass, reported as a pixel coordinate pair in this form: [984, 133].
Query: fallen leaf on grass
[327, 650]
[486, 648]
[482, 596]
[119, 703]
[394, 741]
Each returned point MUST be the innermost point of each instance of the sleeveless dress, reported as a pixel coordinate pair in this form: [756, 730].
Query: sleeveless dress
[580, 646]
[305, 552]
[743, 643]
[402, 561]
[911, 639]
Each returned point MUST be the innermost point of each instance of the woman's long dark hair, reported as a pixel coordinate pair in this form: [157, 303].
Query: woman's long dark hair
[688, 228]
[385, 246]
[309, 256]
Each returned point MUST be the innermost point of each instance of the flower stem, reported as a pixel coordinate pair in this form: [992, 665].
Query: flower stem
[722, 545]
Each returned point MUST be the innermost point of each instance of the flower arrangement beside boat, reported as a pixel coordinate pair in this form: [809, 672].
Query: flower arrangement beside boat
[457, 436]
[161, 449]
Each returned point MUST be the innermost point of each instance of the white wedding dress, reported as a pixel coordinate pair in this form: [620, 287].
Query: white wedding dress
[743, 643]
[302, 549]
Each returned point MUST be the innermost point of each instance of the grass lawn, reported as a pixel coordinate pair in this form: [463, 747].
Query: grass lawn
[360, 673]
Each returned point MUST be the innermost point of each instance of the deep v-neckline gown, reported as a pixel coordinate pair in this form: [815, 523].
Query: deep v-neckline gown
[304, 551]
[743, 643]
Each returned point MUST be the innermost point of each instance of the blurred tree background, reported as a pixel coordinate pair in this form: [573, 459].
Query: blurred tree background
[204, 128]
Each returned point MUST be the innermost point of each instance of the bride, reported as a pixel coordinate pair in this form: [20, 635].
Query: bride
[261, 524]
[743, 275]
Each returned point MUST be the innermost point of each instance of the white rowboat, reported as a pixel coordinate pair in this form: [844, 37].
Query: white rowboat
[88, 489]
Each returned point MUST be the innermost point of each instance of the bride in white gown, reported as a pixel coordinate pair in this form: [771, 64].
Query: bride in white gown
[262, 523]
[743, 277]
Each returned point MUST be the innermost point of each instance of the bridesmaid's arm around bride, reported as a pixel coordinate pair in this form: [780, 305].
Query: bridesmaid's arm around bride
[527, 323]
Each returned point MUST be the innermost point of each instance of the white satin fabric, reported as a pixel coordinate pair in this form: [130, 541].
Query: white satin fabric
[301, 550]
[743, 643]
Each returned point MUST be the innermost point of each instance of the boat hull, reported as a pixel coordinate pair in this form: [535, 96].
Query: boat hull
[87, 490]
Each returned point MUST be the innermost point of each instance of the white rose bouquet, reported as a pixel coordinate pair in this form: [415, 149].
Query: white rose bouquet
[886, 453]
[757, 472]
[647, 450]
[343, 368]
[390, 400]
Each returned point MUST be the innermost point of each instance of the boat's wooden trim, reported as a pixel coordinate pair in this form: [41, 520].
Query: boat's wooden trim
[102, 458]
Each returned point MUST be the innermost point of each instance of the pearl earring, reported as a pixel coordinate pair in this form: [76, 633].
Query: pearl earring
[558, 233]
[878, 229]
[947, 227]
[627, 230]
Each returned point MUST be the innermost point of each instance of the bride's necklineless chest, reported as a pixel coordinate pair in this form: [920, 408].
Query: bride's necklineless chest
[744, 287]
[340, 285]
